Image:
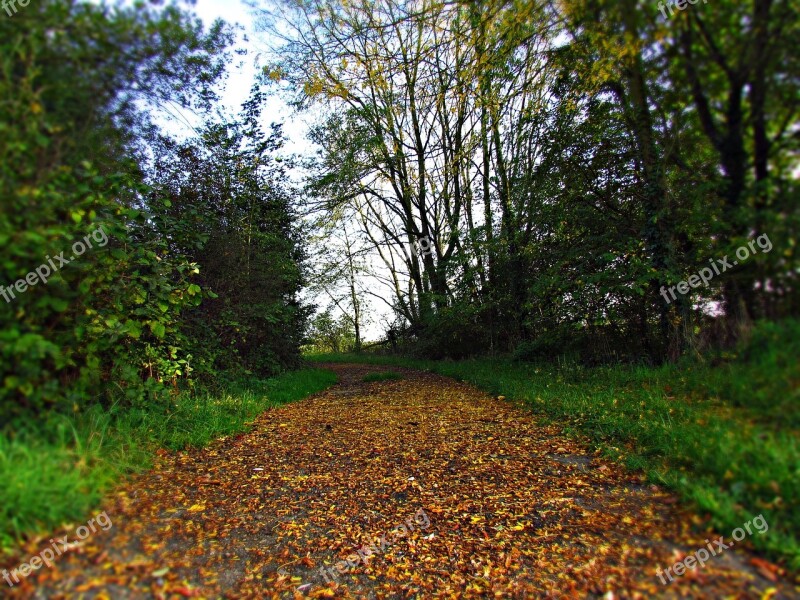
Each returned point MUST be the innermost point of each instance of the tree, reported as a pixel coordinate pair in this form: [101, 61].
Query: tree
[557, 158]
[329, 334]
[75, 82]
[231, 190]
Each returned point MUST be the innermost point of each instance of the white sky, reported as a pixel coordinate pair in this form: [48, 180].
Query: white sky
[241, 75]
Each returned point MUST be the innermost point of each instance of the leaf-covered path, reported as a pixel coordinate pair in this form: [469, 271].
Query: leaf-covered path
[458, 494]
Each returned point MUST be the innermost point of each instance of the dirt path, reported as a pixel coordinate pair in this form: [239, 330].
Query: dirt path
[458, 494]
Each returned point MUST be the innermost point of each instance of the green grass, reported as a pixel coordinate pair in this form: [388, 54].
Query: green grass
[57, 472]
[384, 376]
[723, 431]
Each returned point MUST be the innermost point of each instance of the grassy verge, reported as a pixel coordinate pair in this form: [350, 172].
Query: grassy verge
[723, 431]
[385, 376]
[57, 472]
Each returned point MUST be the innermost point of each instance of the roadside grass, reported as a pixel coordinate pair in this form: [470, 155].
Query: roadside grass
[57, 471]
[721, 430]
[383, 376]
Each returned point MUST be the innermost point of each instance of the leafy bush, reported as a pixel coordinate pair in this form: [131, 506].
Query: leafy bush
[546, 347]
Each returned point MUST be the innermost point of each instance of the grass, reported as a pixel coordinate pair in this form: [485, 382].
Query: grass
[723, 431]
[57, 472]
[383, 376]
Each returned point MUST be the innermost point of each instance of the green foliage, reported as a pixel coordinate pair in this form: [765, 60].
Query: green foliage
[456, 331]
[230, 198]
[57, 471]
[760, 378]
[546, 347]
[73, 81]
[124, 321]
[329, 334]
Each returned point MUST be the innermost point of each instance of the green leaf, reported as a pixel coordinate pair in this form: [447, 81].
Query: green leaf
[133, 329]
[158, 329]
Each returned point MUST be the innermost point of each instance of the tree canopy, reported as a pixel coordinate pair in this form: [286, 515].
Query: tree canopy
[568, 163]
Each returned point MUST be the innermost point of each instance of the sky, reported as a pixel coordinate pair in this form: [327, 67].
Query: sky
[241, 75]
